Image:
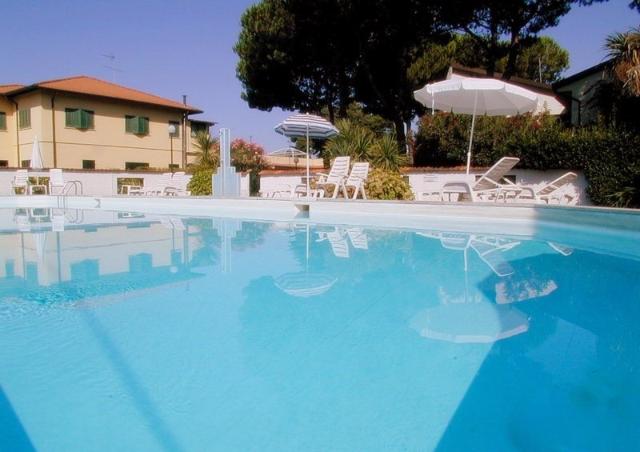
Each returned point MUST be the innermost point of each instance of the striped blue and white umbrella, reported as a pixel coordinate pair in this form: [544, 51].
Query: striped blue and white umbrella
[307, 126]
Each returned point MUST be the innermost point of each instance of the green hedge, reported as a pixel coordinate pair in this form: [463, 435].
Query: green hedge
[609, 157]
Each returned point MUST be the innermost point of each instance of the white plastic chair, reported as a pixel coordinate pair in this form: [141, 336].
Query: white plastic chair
[356, 180]
[56, 181]
[20, 182]
[336, 177]
[490, 186]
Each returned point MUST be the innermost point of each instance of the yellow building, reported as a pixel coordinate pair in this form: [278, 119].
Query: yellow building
[83, 122]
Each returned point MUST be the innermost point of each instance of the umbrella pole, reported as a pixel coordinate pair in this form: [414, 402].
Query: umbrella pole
[473, 126]
[308, 171]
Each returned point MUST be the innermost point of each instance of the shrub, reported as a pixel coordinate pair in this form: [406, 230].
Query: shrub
[385, 154]
[353, 140]
[248, 157]
[382, 184]
[200, 183]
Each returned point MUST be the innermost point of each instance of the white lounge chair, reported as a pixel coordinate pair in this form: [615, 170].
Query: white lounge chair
[490, 186]
[356, 180]
[178, 186]
[553, 191]
[20, 182]
[336, 177]
[157, 189]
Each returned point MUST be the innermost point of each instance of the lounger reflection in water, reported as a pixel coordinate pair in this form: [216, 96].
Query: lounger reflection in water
[338, 242]
[481, 322]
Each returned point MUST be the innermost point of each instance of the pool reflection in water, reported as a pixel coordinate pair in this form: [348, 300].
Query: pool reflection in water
[123, 331]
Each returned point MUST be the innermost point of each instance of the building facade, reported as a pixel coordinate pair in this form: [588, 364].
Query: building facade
[579, 91]
[86, 123]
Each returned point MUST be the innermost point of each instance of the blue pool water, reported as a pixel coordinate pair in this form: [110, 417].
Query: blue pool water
[123, 331]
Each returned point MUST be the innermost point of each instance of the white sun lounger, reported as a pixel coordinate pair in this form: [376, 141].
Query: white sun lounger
[158, 189]
[553, 192]
[489, 187]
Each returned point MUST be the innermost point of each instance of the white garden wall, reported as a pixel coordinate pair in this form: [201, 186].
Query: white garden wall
[424, 180]
[100, 183]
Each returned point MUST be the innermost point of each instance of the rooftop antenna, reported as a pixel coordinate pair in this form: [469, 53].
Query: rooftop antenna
[111, 65]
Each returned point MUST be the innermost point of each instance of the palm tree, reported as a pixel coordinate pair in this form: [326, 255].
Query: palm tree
[205, 143]
[624, 51]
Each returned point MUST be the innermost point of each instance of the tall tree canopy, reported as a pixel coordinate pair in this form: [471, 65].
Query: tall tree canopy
[520, 21]
[301, 55]
[296, 54]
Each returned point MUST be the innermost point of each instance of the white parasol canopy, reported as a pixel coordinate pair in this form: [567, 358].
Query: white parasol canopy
[477, 96]
[307, 126]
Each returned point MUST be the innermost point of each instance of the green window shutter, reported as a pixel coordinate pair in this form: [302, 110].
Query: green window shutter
[137, 124]
[24, 119]
[85, 120]
[3, 120]
[143, 125]
[71, 117]
[129, 124]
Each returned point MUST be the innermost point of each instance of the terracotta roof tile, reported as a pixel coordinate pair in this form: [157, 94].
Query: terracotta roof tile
[94, 87]
[4, 89]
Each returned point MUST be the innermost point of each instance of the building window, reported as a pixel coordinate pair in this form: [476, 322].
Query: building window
[78, 118]
[24, 119]
[4, 163]
[138, 125]
[25, 163]
[175, 124]
[88, 164]
[3, 120]
[198, 127]
[135, 165]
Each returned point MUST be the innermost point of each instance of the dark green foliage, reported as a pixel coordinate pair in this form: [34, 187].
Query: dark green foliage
[200, 183]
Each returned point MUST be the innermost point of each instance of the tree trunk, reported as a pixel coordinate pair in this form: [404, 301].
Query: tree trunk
[514, 51]
[332, 113]
[398, 124]
[492, 53]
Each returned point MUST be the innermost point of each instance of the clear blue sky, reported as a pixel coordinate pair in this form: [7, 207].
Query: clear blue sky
[172, 48]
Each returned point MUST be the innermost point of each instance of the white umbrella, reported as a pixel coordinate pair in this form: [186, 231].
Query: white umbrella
[476, 323]
[36, 155]
[308, 126]
[477, 96]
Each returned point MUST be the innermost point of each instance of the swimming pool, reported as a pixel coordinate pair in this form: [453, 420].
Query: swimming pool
[137, 331]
